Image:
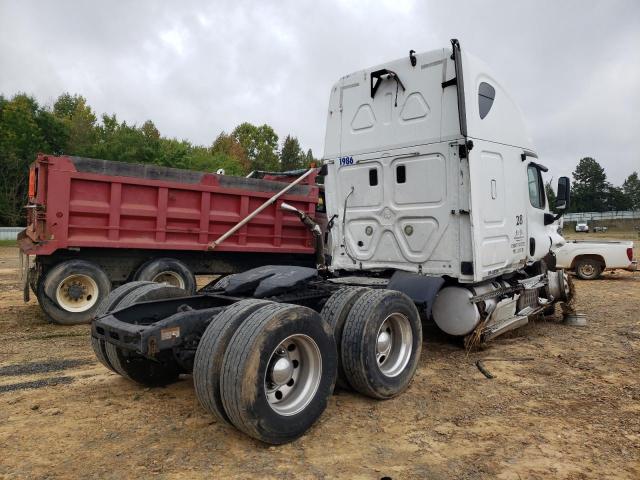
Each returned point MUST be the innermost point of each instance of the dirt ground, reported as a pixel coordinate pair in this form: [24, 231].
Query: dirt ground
[572, 411]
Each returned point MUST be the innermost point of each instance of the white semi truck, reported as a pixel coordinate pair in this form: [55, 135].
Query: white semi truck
[436, 211]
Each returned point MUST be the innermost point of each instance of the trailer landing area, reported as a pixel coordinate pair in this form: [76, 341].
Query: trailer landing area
[571, 412]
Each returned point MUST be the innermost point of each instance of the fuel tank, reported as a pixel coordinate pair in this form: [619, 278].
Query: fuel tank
[453, 311]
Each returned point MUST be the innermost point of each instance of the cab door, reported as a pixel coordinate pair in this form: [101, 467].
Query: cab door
[539, 241]
[498, 209]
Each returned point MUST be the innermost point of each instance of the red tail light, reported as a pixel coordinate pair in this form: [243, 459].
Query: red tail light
[630, 253]
[32, 182]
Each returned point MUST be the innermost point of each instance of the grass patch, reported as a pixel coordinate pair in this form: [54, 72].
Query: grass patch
[8, 243]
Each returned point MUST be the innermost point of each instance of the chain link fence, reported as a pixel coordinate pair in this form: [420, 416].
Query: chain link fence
[10, 233]
[614, 215]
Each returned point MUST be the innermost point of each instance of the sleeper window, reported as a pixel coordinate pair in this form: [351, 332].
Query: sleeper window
[486, 95]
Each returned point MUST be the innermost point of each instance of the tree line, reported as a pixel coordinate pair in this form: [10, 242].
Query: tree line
[592, 192]
[71, 127]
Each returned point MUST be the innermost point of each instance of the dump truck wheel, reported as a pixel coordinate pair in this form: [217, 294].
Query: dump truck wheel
[335, 312]
[135, 367]
[278, 372]
[71, 292]
[167, 270]
[207, 365]
[381, 343]
[106, 306]
[588, 269]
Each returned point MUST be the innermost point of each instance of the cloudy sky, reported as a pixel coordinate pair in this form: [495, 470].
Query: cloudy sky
[196, 68]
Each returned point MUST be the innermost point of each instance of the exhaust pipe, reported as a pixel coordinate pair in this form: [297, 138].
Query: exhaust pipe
[315, 230]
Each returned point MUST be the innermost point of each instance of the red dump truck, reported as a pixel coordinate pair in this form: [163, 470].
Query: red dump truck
[95, 224]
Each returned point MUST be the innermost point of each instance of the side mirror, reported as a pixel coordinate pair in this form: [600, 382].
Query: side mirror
[563, 198]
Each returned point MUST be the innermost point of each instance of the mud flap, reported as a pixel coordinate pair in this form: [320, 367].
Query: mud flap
[25, 275]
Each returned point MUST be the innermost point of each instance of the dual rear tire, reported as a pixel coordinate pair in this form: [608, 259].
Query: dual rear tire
[266, 368]
[269, 368]
[379, 337]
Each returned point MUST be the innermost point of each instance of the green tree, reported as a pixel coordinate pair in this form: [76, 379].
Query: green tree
[261, 145]
[631, 188]
[291, 155]
[229, 146]
[26, 128]
[80, 121]
[174, 153]
[309, 159]
[590, 187]
[617, 199]
[202, 159]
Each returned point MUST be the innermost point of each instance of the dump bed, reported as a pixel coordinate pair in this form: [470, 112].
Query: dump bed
[79, 202]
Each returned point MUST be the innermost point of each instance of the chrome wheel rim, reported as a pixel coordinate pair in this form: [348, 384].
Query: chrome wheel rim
[293, 374]
[77, 293]
[170, 278]
[394, 344]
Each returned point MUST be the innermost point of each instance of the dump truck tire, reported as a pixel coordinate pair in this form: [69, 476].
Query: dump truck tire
[167, 270]
[278, 372]
[335, 312]
[207, 365]
[135, 367]
[107, 305]
[381, 343]
[71, 292]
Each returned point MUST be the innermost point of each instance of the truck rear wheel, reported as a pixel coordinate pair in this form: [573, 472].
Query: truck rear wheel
[207, 365]
[107, 305]
[335, 312]
[381, 343]
[167, 270]
[71, 291]
[278, 372]
[588, 268]
[135, 367]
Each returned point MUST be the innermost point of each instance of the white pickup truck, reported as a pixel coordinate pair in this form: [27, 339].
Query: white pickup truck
[588, 259]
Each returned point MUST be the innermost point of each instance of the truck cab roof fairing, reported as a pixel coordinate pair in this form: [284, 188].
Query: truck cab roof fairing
[503, 122]
[424, 112]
